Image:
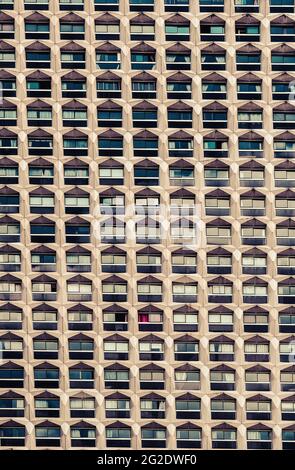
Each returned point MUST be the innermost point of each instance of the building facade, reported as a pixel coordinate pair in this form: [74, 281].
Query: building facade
[147, 224]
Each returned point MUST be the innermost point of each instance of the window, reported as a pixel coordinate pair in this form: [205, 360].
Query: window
[108, 60]
[178, 58]
[180, 116]
[286, 290]
[219, 260]
[155, 434]
[151, 347]
[74, 259]
[221, 348]
[46, 374]
[6, 258]
[282, 59]
[47, 433]
[12, 433]
[217, 203]
[246, 2]
[112, 201]
[179, 30]
[285, 232]
[188, 434]
[7, 56]
[43, 403]
[85, 375]
[81, 345]
[119, 433]
[142, 29]
[218, 232]
[7, 114]
[75, 143]
[108, 86]
[214, 116]
[73, 86]
[184, 289]
[189, 318]
[118, 405]
[40, 143]
[150, 376]
[79, 288]
[256, 319]
[178, 173]
[111, 172]
[221, 435]
[38, 56]
[12, 403]
[216, 174]
[287, 348]
[216, 376]
[219, 318]
[11, 374]
[259, 435]
[145, 317]
[252, 348]
[116, 376]
[186, 347]
[82, 403]
[44, 316]
[249, 88]
[283, 117]
[251, 175]
[257, 377]
[10, 345]
[185, 405]
[148, 260]
[9, 229]
[245, 59]
[178, 260]
[221, 405]
[287, 407]
[254, 262]
[76, 172]
[37, 27]
[7, 316]
[250, 232]
[180, 144]
[78, 317]
[114, 288]
[75, 201]
[110, 115]
[250, 145]
[76, 57]
[12, 288]
[74, 115]
[43, 201]
[71, 2]
[287, 377]
[258, 406]
[289, 146]
[149, 405]
[45, 345]
[107, 28]
[179, 87]
[8, 172]
[83, 433]
[192, 376]
[154, 289]
[251, 117]
[43, 287]
[71, 28]
[111, 346]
